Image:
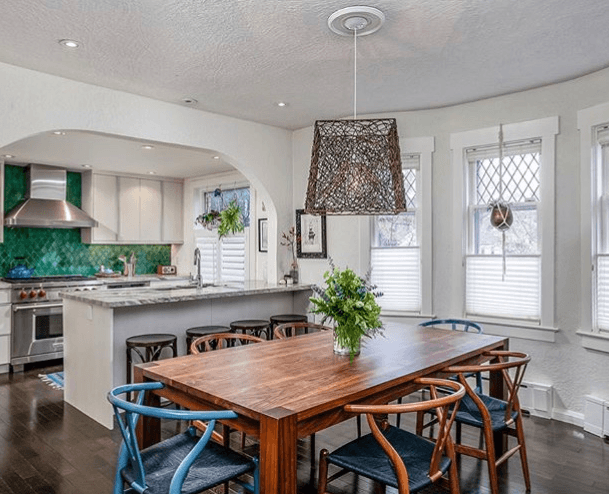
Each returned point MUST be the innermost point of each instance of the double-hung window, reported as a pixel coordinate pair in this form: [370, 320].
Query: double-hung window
[224, 259]
[491, 290]
[400, 245]
[509, 284]
[395, 250]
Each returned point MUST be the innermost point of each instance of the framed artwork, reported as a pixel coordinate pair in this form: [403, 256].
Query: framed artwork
[263, 235]
[310, 235]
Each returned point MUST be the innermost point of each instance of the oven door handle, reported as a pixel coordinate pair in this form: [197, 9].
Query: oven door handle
[36, 306]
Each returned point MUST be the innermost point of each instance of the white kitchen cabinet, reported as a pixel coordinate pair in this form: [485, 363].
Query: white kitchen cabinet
[172, 213]
[151, 210]
[2, 198]
[128, 209]
[100, 200]
[5, 330]
[132, 210]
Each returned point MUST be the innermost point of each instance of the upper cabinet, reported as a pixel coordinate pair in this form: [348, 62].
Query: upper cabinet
[132, 210]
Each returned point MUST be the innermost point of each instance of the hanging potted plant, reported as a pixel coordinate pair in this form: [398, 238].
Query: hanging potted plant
[230, 220]
[349, 301]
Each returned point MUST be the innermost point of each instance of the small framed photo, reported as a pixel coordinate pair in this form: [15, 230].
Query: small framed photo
[310, 235]
[263, 235]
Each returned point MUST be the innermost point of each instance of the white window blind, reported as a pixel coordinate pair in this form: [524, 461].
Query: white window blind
[517, 295]
[395, 255]
[222, 260]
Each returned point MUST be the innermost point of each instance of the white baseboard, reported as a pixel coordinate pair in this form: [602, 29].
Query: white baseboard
[568, 417]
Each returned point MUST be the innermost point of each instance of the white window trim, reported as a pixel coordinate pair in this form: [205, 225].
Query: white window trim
[587, 120]
[424, 147]
[546, 129]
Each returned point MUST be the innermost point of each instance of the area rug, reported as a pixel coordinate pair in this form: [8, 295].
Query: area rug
[55, 379]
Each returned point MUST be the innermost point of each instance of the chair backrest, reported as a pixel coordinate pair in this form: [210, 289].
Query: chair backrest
[221, 340]
[498, 361]
[290, 329]
[441, 403]
[454, 324]
[127, 421]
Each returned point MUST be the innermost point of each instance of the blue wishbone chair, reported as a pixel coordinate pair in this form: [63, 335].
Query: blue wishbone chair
[183, 464]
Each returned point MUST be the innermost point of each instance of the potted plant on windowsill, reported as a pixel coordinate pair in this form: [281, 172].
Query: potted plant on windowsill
[349, 301]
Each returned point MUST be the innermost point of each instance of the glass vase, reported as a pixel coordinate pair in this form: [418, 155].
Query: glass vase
[344, 350]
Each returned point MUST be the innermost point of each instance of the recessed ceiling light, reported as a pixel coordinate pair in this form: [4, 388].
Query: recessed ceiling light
[8, 156]
[216, 157]
[147, 146]
[151, 173]
[86, 166]
[69, 43]
[189, 101]
[281, 104]
[59, 133]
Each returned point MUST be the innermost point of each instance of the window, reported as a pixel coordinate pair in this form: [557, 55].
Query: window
[223, 260]
[521, 303]
[490, 292]
[400, 246]
[395, 251]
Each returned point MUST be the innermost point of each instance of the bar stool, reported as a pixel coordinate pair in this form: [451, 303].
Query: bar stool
[255, 326]
[149, 347]
[286, 318]
[197, 332]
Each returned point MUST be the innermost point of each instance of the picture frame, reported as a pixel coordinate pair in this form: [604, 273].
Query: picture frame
[263, 235]
[310, 235]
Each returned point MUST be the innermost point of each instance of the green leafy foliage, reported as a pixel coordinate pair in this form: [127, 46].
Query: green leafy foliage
[349, 301]
[230, 220]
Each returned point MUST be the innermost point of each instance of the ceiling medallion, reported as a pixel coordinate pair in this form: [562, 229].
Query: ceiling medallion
[355, 164]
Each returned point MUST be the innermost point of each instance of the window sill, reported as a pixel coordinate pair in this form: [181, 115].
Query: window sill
[594, 341]
[411, 315]
[517, 329]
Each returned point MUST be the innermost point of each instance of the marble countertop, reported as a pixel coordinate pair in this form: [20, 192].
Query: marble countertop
[130, 297]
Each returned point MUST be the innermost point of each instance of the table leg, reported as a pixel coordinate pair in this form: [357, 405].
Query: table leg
[148, 429]
[497, 389]
[278, 439]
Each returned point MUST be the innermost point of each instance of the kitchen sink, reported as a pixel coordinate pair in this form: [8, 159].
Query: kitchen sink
[187, 286]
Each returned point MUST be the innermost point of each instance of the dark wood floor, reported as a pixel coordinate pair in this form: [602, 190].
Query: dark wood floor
[48, 447]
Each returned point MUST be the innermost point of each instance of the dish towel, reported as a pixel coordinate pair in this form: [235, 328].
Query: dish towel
[55, 379]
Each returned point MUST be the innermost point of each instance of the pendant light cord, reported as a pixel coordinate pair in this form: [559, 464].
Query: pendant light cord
[501, 162]
[355, 73]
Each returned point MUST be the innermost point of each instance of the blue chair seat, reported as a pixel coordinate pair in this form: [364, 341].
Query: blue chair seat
[366, 457]
[214, 466]
[469, 413]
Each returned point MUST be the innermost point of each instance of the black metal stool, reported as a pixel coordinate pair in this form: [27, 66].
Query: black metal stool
[255, 326]
[285, 318]
[194, 333]
[152, 345]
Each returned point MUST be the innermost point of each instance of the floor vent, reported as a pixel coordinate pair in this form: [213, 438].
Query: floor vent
[537, 399]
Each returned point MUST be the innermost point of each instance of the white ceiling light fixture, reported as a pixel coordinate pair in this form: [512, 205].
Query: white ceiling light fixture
[151, 173]
[70, 43]
[189, 101]
[86, 166]
[147, 147]
[8, 156]
[59, 133]
[282, 104]
[216, 157]
[356, 166]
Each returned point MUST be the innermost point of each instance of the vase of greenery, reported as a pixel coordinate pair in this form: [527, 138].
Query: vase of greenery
[349, 301]
[289, 240]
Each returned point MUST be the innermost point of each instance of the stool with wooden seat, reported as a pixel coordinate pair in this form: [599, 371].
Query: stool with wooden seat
[254, 326]
[284, 319]
[149, 348]
[197, 332]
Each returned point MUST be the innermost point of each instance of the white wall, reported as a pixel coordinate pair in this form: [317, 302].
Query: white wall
[565, 364]
[32, 102]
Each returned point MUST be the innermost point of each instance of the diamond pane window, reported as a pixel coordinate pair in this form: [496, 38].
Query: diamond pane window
[220, 199]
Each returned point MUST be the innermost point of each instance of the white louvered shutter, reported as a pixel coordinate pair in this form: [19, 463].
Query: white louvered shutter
[232, 258]
[602, 231]
[209, 258]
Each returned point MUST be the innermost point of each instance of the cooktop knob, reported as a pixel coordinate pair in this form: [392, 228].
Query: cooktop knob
[42, 293]
[33, 294]
[22, 294]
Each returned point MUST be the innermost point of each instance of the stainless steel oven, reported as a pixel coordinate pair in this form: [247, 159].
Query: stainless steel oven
[37, 322]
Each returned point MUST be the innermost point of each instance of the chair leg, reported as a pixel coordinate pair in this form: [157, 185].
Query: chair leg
[490, 459]
[313, 452]
[322, 478]
[359, 425]
[523, 452]
[458, 432]
[420, 419]
[398, 419]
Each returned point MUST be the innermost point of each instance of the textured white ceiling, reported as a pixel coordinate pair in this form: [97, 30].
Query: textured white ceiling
[240, 57]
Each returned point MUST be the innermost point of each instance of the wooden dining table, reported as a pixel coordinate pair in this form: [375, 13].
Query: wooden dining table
[287, 389]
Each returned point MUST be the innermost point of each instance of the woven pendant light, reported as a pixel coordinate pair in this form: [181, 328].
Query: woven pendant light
[356, 166]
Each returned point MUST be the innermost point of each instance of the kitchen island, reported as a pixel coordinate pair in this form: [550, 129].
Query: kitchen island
[97, 323]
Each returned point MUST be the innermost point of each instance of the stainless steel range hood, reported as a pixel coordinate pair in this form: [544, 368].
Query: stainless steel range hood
[45, 204]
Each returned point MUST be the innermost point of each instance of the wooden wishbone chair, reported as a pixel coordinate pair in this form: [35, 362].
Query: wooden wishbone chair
[210, 343]
[398, 458]
[492, 414]
[290, 329]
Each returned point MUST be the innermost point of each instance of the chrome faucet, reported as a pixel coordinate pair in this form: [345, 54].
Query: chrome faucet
[198, 277]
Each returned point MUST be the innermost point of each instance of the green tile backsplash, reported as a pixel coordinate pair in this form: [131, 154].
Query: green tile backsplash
[60, 251]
